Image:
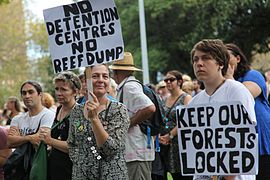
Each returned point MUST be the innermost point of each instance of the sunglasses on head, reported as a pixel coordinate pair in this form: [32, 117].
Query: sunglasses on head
[169, 79]
[70, 77]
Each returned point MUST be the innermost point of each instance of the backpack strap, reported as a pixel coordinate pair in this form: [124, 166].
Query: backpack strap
[122, 88]
[121, 100]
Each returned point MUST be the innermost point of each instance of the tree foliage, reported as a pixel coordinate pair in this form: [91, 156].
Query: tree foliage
[174, 26]
[39, 43]
[4, 1]
[14, 67]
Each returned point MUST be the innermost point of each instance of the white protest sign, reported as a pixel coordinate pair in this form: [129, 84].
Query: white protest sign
[216, 139]
[83, 34]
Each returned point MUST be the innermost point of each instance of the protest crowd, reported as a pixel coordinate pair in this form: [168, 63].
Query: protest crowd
[102, 139]
[213, 126]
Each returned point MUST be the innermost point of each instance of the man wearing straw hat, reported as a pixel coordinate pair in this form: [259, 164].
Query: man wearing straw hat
[139, 152]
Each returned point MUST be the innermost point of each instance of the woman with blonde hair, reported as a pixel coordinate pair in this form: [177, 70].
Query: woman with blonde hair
[48, 101]
[67, 87]
[188, 87]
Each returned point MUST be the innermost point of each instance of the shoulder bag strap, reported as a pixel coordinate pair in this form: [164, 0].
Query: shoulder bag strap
[58, 123]
[107, 111]
[39, 123]
[167, 114]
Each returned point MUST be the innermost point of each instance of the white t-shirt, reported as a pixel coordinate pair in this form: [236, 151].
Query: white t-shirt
[230, 91]
[29, 124]
[136, 142]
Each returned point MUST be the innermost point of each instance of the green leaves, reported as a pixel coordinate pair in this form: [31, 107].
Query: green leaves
[14, 66]
[174, 26]
[4, 1]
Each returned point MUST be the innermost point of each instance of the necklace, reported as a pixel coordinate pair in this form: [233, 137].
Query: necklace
[223, 80]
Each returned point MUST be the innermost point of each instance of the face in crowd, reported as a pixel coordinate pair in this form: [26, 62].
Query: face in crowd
[173, 80]
[100, 79]
[209, 59]
[67, 87]
[31, 93]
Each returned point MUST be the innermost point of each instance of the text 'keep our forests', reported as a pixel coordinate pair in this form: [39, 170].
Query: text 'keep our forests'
[80, 28]
[216, 135]
[209, 137]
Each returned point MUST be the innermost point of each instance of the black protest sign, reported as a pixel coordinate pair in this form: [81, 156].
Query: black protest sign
[83, 34]
[216, 139]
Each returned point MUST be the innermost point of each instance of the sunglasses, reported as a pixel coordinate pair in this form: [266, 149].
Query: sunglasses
[169, 79]
[71, 78]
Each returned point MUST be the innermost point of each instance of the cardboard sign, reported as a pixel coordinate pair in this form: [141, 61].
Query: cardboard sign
[216, 139]
[83, 34]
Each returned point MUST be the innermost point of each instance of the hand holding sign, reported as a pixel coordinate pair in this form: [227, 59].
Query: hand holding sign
[91, 108]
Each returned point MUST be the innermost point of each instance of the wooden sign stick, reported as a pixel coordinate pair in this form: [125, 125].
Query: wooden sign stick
[89, 83]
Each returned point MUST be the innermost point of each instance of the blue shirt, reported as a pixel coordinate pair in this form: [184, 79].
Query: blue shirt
[262, 110]
[111, 98]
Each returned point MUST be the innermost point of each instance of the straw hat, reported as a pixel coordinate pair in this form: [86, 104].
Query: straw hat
[125, 64]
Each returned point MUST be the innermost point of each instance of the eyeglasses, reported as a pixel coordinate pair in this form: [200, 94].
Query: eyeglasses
[169, 79]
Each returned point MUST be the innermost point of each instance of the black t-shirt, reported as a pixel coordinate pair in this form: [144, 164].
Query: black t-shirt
[60, 165]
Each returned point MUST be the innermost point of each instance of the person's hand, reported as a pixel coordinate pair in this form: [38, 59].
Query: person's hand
[165, 139]
[230, 71]
[34, 139]
[91, 108]
[45, 136]
[14, 131]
